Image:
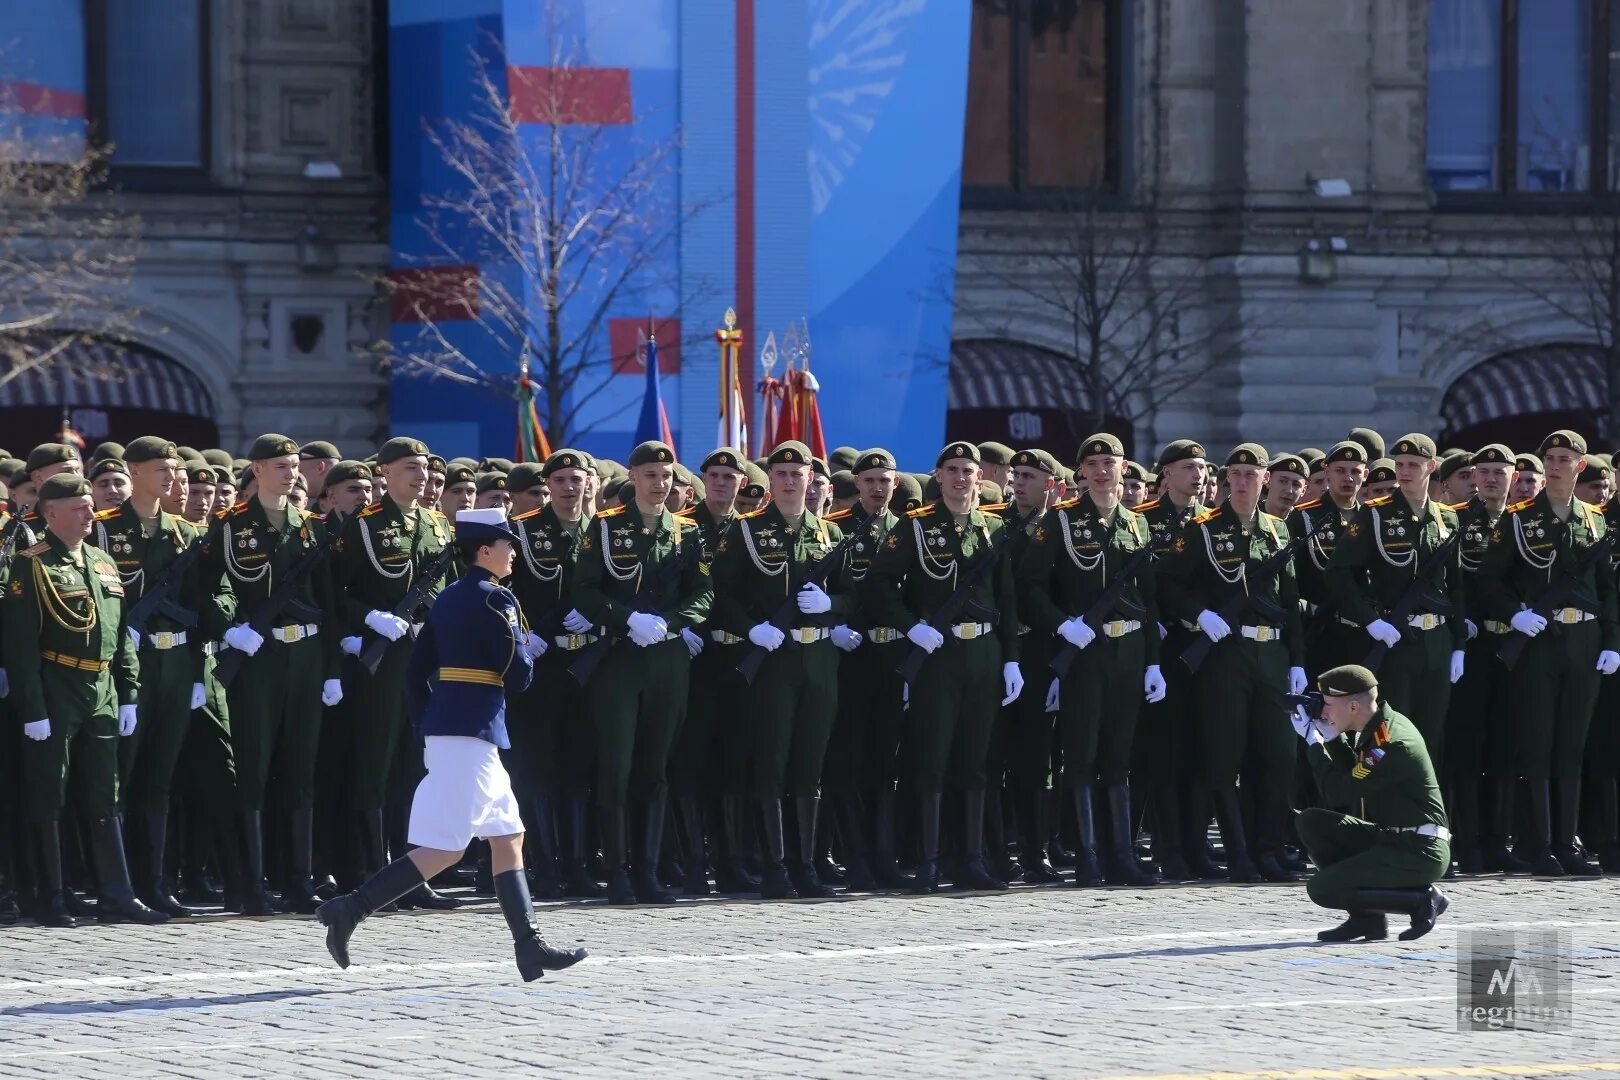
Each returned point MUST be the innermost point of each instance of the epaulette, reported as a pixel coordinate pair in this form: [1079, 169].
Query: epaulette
[1454, 507]
[32, 515]
[527, 514]
[1596, 508]
[241, 507]
[1382, 500]
[1516, 507]
[840, 515]
[1312, 505]
[108, 515]
[1150, 505]
[921, 511]
[610, 511]
[38, 549]
[308, 517]
[752, 513]
[1067, 504]
[993, 506]
[436, 512]
[1207, 515]
[686, 512]
[371, 508]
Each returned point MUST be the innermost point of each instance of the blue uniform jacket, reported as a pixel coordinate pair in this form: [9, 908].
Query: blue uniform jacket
[466, 660]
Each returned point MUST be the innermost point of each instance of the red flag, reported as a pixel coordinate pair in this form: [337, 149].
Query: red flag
[810, 414]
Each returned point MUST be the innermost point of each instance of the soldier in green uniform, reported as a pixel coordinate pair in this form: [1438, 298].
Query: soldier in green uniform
[1387, 855]
[1376, 561]
[972, 662]
[1329, 642]
[76, 679]
[109, 483]
[751, 496]
[378, 558]
[1241, 684]
[1528, 478]
[1289, 477]
[1555, 684]
[14, 537]
[275, 700]
[143, 541]
[794, 697]
[1603, 752]
[1076, 552]
[639, 576]
[553, 752]
[1380, 479]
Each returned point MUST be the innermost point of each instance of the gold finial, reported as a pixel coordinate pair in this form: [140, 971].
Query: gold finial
[767, 353]
[731, 318]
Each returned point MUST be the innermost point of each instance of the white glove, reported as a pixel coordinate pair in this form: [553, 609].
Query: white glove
[5, 683]
[1457, 663]
[351, 645]
[1314, 735]
[694, 643]
[905, 696]
[1528, 623]
[845, 638]
[134, 636]
[1153, 684]
[646, 628]
[1473, 628]
[199, 695]
[767, 637]
[331, 692]
[1297, 682]
[534, 646]
[1384, 632]
[1163, 633]
[1608, 661]
[1013, 680]
[1052, 694]
[1301, 721]
[389, 625]
[575, 623]
[812, 601]
[126, 721]
[1213, 626]
[39, 730]
[244, 638]
[925, 637]
[1077, 633]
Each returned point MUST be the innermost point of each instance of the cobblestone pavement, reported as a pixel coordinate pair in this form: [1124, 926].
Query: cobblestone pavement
[1034, 982]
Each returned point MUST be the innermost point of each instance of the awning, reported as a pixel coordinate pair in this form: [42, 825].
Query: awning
[106, 375]
[1547, 378]
[993, 374]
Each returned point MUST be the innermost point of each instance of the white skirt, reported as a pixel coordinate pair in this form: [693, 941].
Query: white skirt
[466, 793]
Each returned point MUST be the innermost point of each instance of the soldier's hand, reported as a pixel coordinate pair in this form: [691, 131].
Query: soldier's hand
[1013, 680]
[387, 624]
[1077, 633]
[1301, 721]
[244, 638]
[767, 637]
[5, 683]
[1528, 623]
[694, 643]
[534, 646]
[575, 623]
[134, 636]
[351, 645]
[1053, 693]
[1608, 661]
[331, 692]
[1458, 661]
[1297, 682]
[39, 730]
[813, 601]
[646, 628]
[126, 720]
[199, 696]
[845, 638]
[1213, 626]
[925, 637]
[1153, 688]
[1384, 632]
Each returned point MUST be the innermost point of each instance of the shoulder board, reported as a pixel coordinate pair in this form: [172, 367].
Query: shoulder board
[1454, 507]
[1596, 508]
[991, 507]
[610, 511]
[38, 549]
[1067, 504]
[921, 511]
[527, 514]
[1264, 516]
[751, 514]
[1151, 504]
[308, 517]
[435, 511]
[108, 515]
[1382, 500]
[1207, 515]
[1516, 507]
[488, 586]
[32, 515]
[1312, 505]
[840, 515]
[371, 508]
[686, 513]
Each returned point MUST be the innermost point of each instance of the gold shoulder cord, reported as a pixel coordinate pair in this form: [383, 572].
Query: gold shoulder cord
[53, 605]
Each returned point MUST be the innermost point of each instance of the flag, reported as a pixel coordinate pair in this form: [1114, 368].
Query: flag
[733, 429]
[531, 437]
[67, 435]
[654, 421]
[810, 414]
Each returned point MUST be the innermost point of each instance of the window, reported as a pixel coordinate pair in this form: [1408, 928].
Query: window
[1521, 96]
[148, 65]
[1043, 79]
[42, 81]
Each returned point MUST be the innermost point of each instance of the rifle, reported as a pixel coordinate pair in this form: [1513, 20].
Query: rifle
[1238, 601]
[1557, 594]
[1414, 594]
[8, 540]
[945, 614]
[592, 655]
[269, 612]
[787, 611]
[155, 598]
[1105, 604]
[371, 653]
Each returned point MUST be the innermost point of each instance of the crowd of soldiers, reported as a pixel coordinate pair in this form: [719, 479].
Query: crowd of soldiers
[995, 671]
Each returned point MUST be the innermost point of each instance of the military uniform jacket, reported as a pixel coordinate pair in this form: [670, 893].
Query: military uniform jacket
[1385, 777]
[1377, 559]
[1530, 548]
[142, 561]
[1323, 523]
[858, 562]
[378, 556]
[762, 562]
[1477, 522]
[1213, 555]
[620, 558]
[920, 564]
[245, 561]
[1073, 555]
[67, 610]
[466, 660]
[20, 540]
[543, 574]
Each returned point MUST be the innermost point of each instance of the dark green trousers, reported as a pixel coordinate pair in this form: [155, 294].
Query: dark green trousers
[207, 772]
[1021, 743]
[1479, 739]
[863, 751]
[640, 700]
[1415, 679]
[380, 722]
[1552, 692]
[1240, 690]
[553, 750]
[147, 759]
[1603, 740]
[953, 708]
[275, 710]
[81, 756]
[790, 708]
[711, 749]
[1097, 708]
[1351, 854]
[1166, 758]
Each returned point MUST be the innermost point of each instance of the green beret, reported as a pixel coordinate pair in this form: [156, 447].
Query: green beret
[187, 452]
[907, 495]
[819, 467]
[63, 486]
[459, 474]
[1135, 471]
[1348, 450]
[992, 453]
[496, 464]
[320, 450]
[1382, 471]
[346, 470]
[1248, 453]
[843, 485]
[990, 493]
[45, 455]
[699, 490]
[625, 492]
[105, 450]
[843, 458]
[1035, 459]
[471, 463]
[399, 448]
[1596, 469]
[1312, 454]
[1100, 445]
[1527, 463]
[1453, 464]
[965, 450]
[1182, 450]
[490, 481]
[1290, 463]
[1494, 454]
[560, 459]
[1370, 441]
[791, 452]
[107, 465]
[270, 446]
[217, 456]
[240, 464]
[224, 475]
[683, 475]
[723, 458]
[757, 481]
[150, 448]
[875, 458]
[194, 464]
[436, 464]
[1345, 680]
[652, 453]
[1563, 439]
[525, 475]
[1414, 445]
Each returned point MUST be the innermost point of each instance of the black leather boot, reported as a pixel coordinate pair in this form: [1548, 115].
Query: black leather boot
[1195, 835]
[298, 897]
[534, 956]
[849, 812]
[1569, 856]
[1497, 854]
[1463, 809]
[1003, 867]
[644, 870]
[255, 901]
[1423, 906]
[341, 914]
[1036, 825]
[1167, 836]
[975, 868]
[1272, 806]
[927, 877]
[806, 881]
[616, 855]
[774, 882]
[579, 882]
[50, 905]
[1087, 870]
[1123, 869]
[115, 899]
[694, 852]
[731, 870]
[885, 867]
[1543, 861]
[1361, 925]
[155, 892]
[198, 885]
[374, 847]
[1228, 816]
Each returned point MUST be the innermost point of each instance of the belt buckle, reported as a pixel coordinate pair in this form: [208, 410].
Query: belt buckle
[1567, 616]
[1263, 633]
[969, 631]
[804, 635]
[163, 639]
[575, 642]
[1114, 629]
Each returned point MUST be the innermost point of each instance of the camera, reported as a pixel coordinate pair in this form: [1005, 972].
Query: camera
[1311, 702]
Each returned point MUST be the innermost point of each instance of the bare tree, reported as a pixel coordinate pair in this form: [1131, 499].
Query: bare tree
[553, 223]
